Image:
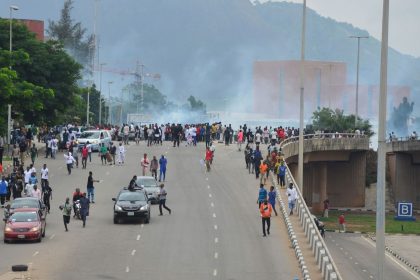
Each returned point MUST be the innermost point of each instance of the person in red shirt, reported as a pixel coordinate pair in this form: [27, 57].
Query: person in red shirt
[85, 153]
[342, 223]
[209, 156]
[265, 210]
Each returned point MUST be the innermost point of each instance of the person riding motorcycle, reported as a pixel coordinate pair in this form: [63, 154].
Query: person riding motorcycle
[76, 196]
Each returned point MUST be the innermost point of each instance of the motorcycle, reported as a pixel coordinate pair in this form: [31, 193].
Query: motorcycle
[320, 225]
[77, 209]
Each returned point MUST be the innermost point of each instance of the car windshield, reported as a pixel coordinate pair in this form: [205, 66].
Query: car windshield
[147, 182]
[25, 203]
[90, 135]
[22, 217]
[132, 196]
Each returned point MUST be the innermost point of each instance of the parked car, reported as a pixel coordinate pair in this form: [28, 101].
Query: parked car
[150, 186]
[131, 205]
[25, 203]
[95, 138]
[25, 224]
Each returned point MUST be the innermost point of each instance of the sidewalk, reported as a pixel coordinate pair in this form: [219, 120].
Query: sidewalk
[305, 247]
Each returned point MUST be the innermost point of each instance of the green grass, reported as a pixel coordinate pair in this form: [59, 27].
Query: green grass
[366, 222]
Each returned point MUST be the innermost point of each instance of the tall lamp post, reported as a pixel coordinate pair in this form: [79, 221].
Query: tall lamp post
[381, 179]
[12, 8]
[357, 77]
[109, 101]
[100, 93]
[302, 89]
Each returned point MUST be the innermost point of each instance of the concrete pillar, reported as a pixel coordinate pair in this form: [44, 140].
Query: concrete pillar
[320, 190]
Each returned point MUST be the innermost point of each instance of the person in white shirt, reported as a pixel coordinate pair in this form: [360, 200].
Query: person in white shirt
[291, 197]
[194, 135]
[89, 147]
[44, 177]
[32, 168]
[258, 138]
[54, 147]
[36, 192]
[121, 154]
[69, 161]
[27, 174]
[145, 163]
[126, 131]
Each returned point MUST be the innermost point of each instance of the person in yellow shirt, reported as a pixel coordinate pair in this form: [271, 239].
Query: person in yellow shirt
[265, 210]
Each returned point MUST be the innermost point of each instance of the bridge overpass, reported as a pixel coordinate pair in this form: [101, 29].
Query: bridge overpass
[334, 168]
[403, 160]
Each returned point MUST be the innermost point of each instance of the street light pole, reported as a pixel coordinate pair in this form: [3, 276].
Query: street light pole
[381, 179]
[12, 8]
[100, 93]
[302, 89]
[109, 101]
[357, 77]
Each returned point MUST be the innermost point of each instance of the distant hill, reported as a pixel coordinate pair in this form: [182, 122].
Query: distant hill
[207, 47]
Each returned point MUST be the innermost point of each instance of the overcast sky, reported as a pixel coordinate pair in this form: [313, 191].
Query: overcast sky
[404, 23]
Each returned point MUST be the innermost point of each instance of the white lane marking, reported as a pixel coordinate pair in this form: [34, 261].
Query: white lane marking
[215, 227]
[210, 195]
[107, 173]
[207, 179]
[133, 252]
[364, 270]
[216, 255]
[392, 259]
[371, 277]
[142, 225]
[215, 272]
[52, 237]
[138, 237]
[214, 215]
[356, 263]
[36, 253]
[341, 248]
[216, 240]
[351, 258]
[127, 269]
[212, 204]
[208, 186]
[166, 152]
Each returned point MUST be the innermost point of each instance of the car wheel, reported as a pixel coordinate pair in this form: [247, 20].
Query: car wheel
[115, 221]
[5, 241]
[39, 239]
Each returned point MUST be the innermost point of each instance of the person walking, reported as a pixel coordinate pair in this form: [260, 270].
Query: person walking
[44, 177]
[36, 192]
[162, 200]
[15, 155]
[262, 195]
[240, 139]
[121, 154]
[3, 190]
[85, 154]
[34, 153]
[66, 209]
[47, 196]
[103, 150]
[162, 164]
[342, 223]
[84, 208]
[154, 165]
[89, 147]
[113, 152]
[145, 163]
[291, 197]
[326, 207]
[281, 174]
[272, 199]
[265, 210]
[208, 158]
[91, 188]
[69, 161]
[263, 172]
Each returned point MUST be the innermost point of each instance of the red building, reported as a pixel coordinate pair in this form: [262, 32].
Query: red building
[35, 26]
[325, 86]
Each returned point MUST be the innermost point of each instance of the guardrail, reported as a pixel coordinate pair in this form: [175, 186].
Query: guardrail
[321, 136]
[319, 248]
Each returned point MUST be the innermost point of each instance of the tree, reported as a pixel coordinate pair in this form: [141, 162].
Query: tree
[71, 34]
[153, 99]
[400, 116]
[196, 105]
[329, 120]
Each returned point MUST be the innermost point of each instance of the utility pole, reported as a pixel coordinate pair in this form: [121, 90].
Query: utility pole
[357, 77]
[12, 8]
[9, 123]
[381, 179]
[100, 93]
[139, 74]
[302, 90]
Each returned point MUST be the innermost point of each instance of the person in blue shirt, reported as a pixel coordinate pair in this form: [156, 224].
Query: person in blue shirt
[162, 163]
[272, 198]
[33, 180]
[257, 161]
[262, 195]
[3, 191]
[282, 174]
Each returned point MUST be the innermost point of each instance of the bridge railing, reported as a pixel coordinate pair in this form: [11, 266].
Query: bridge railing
[294, 139]
[319, 248]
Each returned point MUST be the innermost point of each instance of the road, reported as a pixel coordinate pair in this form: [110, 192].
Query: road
[214, 231]
[355, 257]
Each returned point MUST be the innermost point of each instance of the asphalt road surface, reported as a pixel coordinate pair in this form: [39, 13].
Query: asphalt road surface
[214, 231]
[355, 257]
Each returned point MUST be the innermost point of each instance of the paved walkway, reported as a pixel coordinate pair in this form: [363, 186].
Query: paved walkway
[407, 246]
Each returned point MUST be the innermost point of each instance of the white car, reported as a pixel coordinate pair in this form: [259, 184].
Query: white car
[150, 186]
[95, 139]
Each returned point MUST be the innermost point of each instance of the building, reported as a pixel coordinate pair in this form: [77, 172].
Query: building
[325, 86]
[35, 26]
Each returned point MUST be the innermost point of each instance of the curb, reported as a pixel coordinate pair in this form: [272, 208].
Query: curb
[347, 231]
[415, 268]
[366, 210]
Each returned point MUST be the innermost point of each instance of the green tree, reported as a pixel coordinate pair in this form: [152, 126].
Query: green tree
[153, 99]
[326, 119]
[93, 104]
[196, 105]
[73, 36]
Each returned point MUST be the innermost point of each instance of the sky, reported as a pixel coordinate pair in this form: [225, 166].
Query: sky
[404, 21]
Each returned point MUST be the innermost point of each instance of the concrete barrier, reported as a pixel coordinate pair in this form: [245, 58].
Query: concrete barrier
[325, 261]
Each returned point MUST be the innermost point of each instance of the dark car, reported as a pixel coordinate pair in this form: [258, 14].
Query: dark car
[24, 224]
[24, 203]
[131, 205]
